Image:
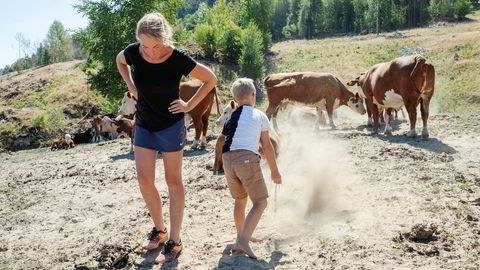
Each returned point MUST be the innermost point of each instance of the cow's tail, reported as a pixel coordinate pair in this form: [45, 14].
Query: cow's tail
[216, 101]
[429, 82]
[419, 62]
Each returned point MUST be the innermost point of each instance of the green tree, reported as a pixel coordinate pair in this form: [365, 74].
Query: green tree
[291, 29]
[111, 28]
[462, 8]
[440, 9]
[281, 10]
[258, 12]
[58, 43]
[251, 60]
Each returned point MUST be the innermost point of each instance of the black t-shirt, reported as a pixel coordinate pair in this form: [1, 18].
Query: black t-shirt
[157, 86]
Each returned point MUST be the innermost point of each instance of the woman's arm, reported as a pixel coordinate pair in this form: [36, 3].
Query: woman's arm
[122, 67]
[209, 79]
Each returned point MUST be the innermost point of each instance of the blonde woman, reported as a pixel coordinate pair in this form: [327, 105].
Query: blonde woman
[157, 68]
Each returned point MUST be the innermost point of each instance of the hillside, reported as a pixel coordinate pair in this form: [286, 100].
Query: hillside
[40, 103]
[454, 50]
[350, 199]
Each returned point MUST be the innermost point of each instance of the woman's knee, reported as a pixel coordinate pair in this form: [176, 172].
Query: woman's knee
[145, 181]
[174, 182]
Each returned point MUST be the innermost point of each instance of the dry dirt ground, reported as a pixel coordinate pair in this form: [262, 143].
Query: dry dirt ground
[350, 200]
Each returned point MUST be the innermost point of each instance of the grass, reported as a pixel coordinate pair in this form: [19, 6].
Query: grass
[454, 50]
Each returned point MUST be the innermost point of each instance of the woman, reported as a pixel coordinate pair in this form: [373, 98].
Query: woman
[157, 68]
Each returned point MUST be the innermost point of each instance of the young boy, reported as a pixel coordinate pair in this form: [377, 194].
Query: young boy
[241, 162]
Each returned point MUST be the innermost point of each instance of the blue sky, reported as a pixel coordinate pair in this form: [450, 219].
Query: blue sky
[32, 18]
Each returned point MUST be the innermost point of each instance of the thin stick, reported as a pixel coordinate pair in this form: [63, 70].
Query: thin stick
[275, 200]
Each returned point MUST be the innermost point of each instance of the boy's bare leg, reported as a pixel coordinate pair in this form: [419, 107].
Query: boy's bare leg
[239, 214]
[251, 223]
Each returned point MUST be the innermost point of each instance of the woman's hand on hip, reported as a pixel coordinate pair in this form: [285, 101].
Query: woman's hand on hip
[179, 106]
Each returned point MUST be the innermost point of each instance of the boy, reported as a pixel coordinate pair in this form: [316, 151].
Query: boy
[241, 160]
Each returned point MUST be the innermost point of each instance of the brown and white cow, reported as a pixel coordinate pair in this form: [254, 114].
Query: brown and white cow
[63, 143]
[199, 114]
[404, 81]
[227, 113]
[113, 127]
[323, 91]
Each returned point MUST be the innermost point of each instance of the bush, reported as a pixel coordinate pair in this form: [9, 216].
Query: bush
[230, 44]
[440, 9]
[251, 60]
[52, 119]
[462, 8]
[205, 37]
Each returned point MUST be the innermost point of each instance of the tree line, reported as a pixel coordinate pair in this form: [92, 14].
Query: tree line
[58, 46]
[234, 32]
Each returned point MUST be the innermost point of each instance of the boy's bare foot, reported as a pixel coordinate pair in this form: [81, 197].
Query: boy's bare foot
[243, 246]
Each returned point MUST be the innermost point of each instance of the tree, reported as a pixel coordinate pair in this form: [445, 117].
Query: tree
[112, 25]
[291, 29]
[281, 10]
[251, 60]
[258, 12]
[57, 43]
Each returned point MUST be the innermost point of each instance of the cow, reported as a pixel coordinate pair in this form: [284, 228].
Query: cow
[113, 127]
[199, 114]
[404, 81]
[323, 91]
[63, 143]
[227, 113]
[84, 137]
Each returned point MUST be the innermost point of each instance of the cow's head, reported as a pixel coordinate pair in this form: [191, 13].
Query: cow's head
[357, 81]
[356, 104]
[128, 104]
[227, 113]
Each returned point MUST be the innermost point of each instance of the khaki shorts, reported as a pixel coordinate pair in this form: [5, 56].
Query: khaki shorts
[244, 175]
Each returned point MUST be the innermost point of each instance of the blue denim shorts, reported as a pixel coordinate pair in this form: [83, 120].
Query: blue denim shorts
[171, 139]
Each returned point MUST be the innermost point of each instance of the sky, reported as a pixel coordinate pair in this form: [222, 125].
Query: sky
[32, 18]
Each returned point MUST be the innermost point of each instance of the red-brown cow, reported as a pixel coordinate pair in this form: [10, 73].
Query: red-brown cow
[321, 90]
[408, 81]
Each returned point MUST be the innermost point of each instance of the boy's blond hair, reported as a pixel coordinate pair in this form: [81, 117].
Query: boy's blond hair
[156, 26]
[242, 88]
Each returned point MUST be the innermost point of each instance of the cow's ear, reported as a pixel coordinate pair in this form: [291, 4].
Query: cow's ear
[357, 96]
[232, 104]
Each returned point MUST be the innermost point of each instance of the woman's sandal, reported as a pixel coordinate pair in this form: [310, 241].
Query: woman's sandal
[172, 250]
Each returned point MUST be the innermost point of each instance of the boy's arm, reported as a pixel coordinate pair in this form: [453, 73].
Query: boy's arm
[270, 156]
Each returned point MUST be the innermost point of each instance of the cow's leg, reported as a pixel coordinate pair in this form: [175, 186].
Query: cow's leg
[411, 106]
[197, 121]
[320, 119]
[388, 117]
[381, 112]
[374, 110]
[203, 142]
[329, 108]
[424, 102]
[272, 111]
[218, 162]
[369, 114]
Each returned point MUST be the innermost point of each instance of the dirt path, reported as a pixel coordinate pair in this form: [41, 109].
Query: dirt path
[350, 201]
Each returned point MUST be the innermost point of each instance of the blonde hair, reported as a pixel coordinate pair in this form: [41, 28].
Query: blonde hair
[155, 26]
[242, 88]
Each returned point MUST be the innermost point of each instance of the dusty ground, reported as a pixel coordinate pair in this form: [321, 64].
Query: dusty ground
[349, 201]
